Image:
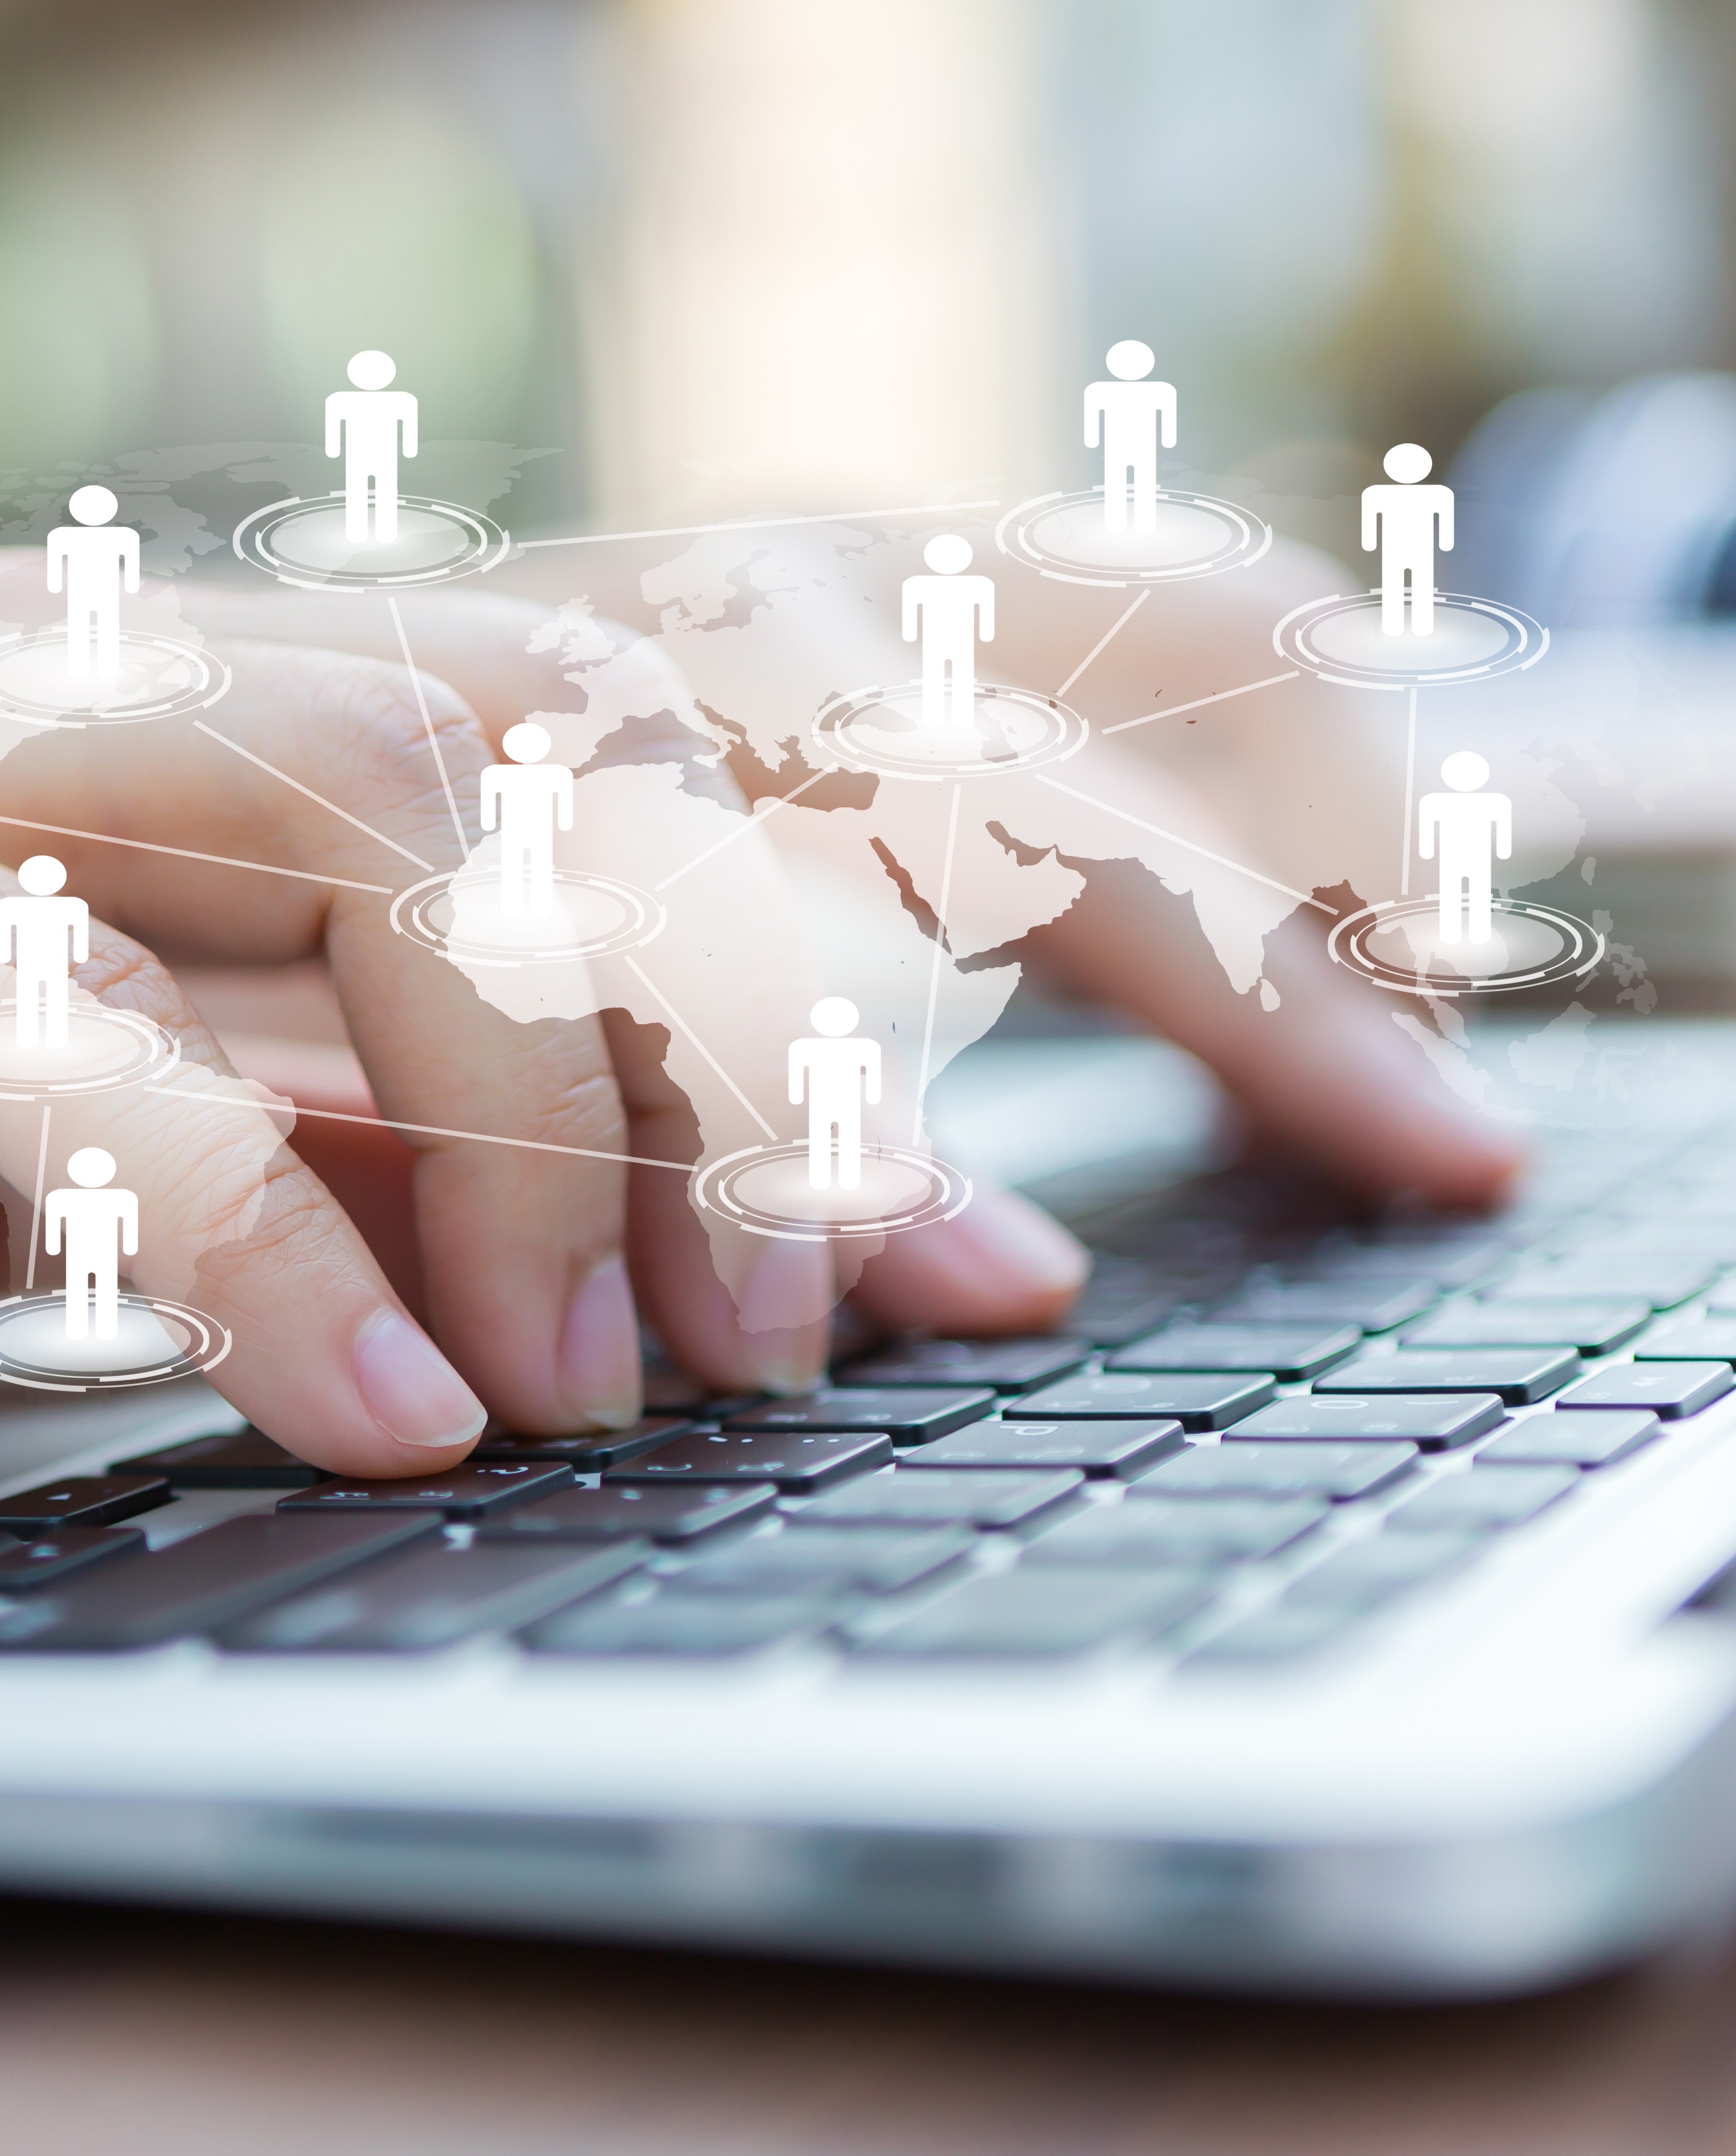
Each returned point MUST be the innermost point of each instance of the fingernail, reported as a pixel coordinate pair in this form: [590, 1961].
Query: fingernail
[1001, 1243]
[596, 1359]
[410, 1388]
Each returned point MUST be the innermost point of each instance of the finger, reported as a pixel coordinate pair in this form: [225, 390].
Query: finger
[1327, 1073]
[231, 1221]
[1002, 1265]
[761, 1326]
[520, 1218]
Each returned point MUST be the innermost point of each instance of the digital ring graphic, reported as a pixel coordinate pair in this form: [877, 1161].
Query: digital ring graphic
[460, 915]
[1397, 945]
[302, 541]
[160, 677]
[105, 1048]
[767, 1190]
[881, 729]
[1340, 640]
[1064, 535]
[157, 1341]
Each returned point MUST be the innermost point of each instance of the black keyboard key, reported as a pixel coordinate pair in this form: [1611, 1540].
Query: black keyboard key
[1288, 1351]
[1437, 1269]
[793, 1460]
[1381, 1566]
[1483, 1498]
[1279, 1470]
[1119, 1303]
[434, 1596]
[1711, 1340]
[1286, 1633]
[1517, 1375]
[1192, 1533]
[465, 1493]
[206, 1580]
[1372, 1306]
[46, 1559]
[1663, 1282]
[83, 1500]
[1196, 1401]
[703, 1625]
[823, 1561]
[1670, 1389]
[625, 1511]
[1004, 1365]
[1122, 1450]
[243, 1459]
[1043, 1613]
[1436, 1421]
[966, 1497]
[1593, 1327]
[588, 1454]
[907, 1416]
[1573, 1441]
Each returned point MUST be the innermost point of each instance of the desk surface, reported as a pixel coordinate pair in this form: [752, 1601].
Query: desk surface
[130, 2033]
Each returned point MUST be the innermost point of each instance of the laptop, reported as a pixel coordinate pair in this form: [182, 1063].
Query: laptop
[1336, 1605]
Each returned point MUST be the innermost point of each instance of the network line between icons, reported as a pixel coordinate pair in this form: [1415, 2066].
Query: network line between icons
[760, 523]
[1403, 633]
[187, 854]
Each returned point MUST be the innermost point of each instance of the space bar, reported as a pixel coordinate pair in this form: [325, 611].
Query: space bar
[210, 1578]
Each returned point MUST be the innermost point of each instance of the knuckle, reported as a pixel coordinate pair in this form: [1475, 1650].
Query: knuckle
[362, 731]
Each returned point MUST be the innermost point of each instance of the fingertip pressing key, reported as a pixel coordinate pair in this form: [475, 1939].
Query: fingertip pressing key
[409, 1388]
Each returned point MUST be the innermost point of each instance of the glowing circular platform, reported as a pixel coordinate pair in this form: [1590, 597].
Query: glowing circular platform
[1341, 639]
[1064, 535]
[766, 1190]
[881, 729]
[161, 677]
[156, 1342]
[1398, 945]
[104, 1049]
[302, 543]
[461, 916]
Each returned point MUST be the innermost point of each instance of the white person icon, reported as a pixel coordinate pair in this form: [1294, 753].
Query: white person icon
[43, 937]
[527, 798]
[94, 1217]
[93, 553]
[1473, 827]
[1129, 412]
[1407, 513]
[836, 1071]
[948, 607]
[362, 425]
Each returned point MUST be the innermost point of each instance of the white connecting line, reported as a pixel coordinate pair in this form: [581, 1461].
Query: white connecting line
[928, 1030]
[759, 814]
[183, 854]
[422, 706]
[1175, 840]
[1103, 644]
[1198, 703]
[368, 829]
[42, 1178]
[676, 1018]
[1409, 792]
[422, 1130]
[762, 524]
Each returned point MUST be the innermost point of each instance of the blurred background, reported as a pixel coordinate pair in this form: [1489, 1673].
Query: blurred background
[722, 253]
[699, 257]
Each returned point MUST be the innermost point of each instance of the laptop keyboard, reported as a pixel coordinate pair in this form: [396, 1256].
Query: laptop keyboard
[1266, 1429]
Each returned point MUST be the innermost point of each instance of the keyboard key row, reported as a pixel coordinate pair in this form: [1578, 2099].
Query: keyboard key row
[1517, 1375]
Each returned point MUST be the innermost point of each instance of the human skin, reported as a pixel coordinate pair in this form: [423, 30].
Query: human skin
[535, 1263]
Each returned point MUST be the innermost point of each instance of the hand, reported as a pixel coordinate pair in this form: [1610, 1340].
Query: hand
[526, 1254]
